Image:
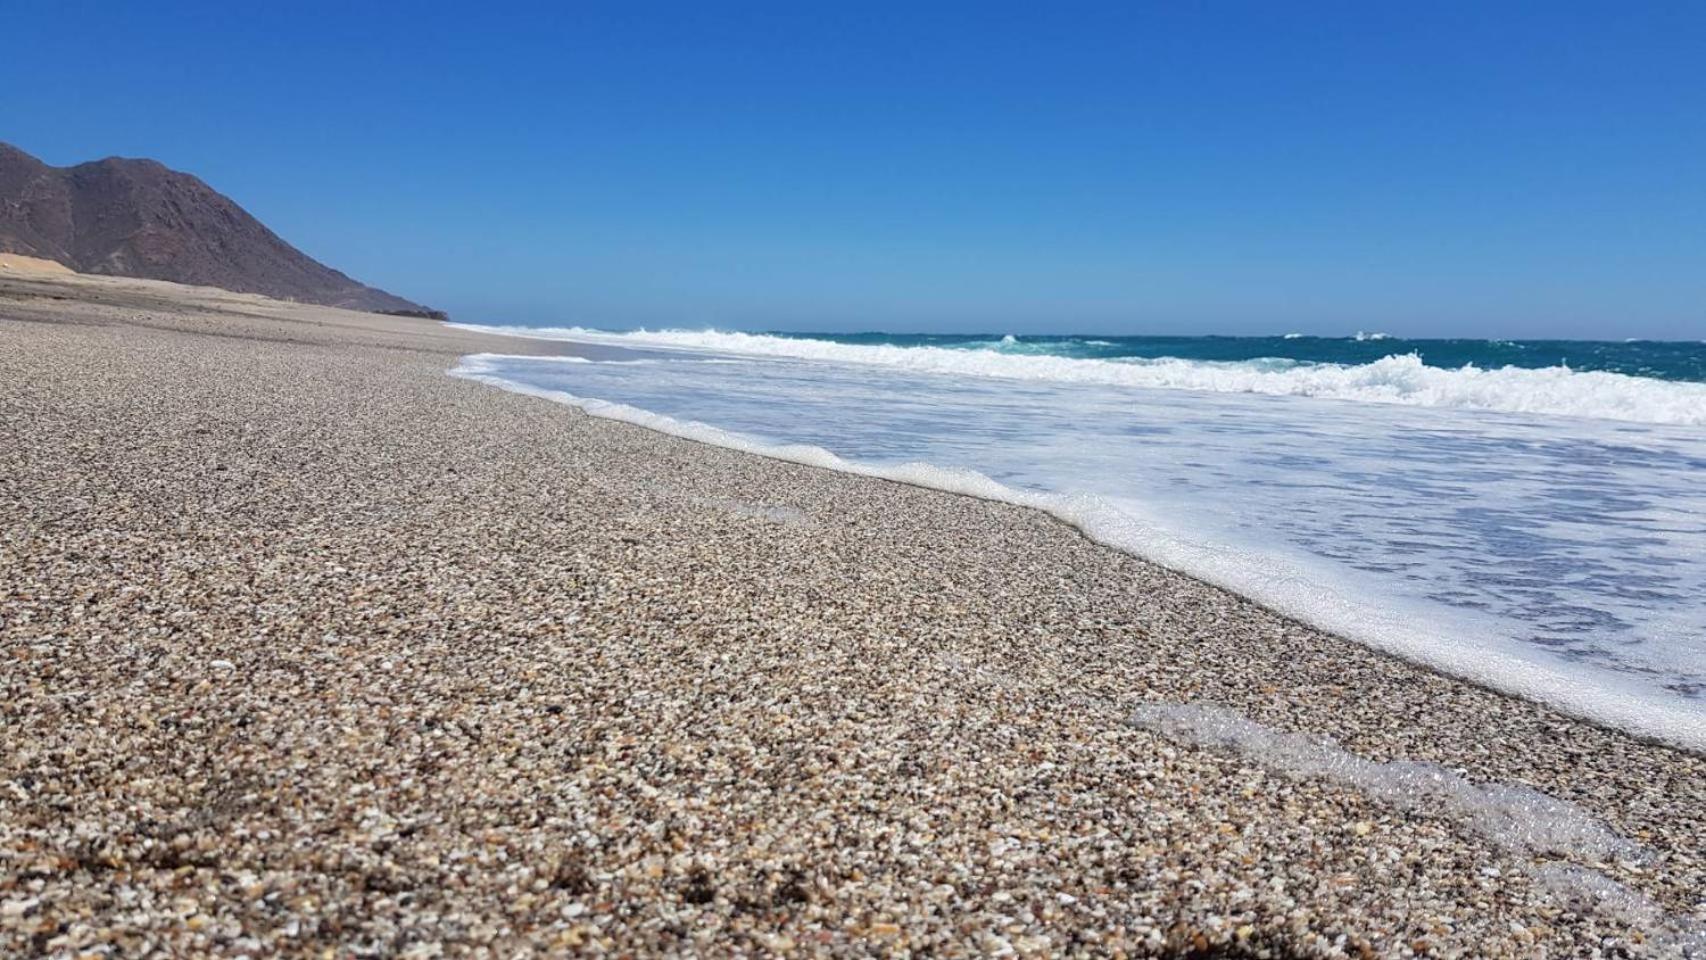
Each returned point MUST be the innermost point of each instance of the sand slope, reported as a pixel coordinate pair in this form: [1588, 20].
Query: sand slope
[20, 264]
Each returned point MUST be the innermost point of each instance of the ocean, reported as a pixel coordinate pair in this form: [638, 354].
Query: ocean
[1529, 515]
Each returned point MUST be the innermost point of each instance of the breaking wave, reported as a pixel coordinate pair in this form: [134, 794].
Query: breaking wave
[1395, 379]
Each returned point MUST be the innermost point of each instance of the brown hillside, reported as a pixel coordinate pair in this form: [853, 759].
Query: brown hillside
[137, 218]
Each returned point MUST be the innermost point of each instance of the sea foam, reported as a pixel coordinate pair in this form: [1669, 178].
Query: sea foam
[1396, 379]
[1423, 635]
[1523, 823]
[1517, 819]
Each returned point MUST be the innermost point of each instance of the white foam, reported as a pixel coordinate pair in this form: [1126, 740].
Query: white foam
[1516, 819]
[1397, 379]
[1519, 821]
[1416, 636]
[1591, 890]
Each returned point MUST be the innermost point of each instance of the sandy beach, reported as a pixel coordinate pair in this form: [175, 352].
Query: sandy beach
[311, 649]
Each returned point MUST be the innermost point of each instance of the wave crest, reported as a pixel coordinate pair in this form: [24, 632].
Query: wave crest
[1396, 379]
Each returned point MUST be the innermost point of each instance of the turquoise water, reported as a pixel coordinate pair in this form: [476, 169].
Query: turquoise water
[1660, 360]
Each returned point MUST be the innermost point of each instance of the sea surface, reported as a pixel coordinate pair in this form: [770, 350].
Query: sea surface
[1530, 515]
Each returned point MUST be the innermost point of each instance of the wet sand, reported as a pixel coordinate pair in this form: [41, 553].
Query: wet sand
[310, 645]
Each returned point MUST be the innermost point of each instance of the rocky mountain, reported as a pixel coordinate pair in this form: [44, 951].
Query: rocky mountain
[136, 218]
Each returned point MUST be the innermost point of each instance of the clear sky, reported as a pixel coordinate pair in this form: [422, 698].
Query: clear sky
[1485, 169]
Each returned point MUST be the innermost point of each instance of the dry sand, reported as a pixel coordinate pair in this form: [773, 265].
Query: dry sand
[17, 263]
[308, 646]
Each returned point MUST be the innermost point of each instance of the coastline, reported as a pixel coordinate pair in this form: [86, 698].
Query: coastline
[314, 637]
[1285, 590]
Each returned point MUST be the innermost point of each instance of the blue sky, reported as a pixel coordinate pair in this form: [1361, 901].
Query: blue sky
[1483, 169]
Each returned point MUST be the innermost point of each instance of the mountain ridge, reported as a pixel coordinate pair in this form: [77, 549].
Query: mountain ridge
[136, 217]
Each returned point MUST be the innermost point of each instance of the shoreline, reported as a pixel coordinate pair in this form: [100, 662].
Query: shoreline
[457, 653]
[1627, 710]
